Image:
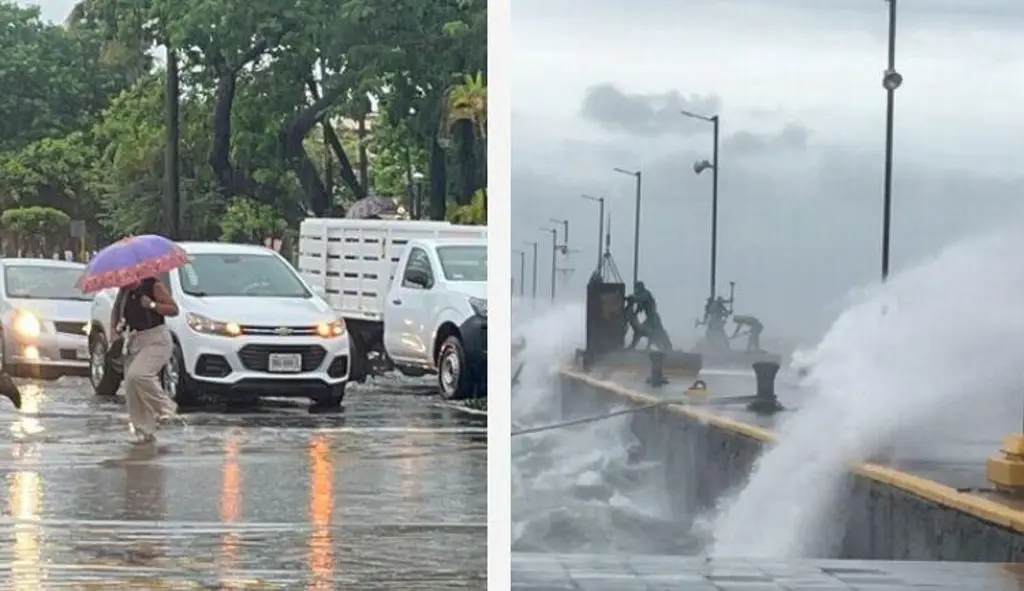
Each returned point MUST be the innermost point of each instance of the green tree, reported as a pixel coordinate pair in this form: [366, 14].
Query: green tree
[55, 80]
[295, 109]
[35, 230]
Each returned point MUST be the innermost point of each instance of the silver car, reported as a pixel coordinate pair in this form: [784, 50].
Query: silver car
[44, 318]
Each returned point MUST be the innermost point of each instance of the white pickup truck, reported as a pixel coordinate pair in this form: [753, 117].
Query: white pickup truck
[413, 295]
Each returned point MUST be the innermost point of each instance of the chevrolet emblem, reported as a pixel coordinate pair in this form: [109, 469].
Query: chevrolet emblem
[283, 331]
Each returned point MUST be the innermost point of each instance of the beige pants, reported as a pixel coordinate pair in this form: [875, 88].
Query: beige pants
[147, 352]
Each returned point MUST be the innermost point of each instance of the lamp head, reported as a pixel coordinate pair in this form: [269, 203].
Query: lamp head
[702, 165]
[891, 80]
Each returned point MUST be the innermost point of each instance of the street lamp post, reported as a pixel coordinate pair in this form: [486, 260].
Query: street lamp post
[565, 232]
[699, 167]
[522, 271]
[636, 223]
[534, 245]
[417, 195]
[600, 228]
[891, 80]
[554, 253]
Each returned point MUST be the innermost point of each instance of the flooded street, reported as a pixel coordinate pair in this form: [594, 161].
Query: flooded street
[392, 493]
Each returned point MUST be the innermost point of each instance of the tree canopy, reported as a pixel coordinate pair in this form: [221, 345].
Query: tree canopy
[285, 110]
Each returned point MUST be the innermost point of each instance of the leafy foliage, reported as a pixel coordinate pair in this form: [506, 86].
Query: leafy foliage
[473, 214]
[35, 229]
[287, 110]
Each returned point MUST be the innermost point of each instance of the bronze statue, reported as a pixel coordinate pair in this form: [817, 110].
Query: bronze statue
[642, 302]
[753, 327]
[716, 314]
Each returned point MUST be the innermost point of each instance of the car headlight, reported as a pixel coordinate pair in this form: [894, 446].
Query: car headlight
[27, 324]
[332, 329]
[204, 325]
[479, 306]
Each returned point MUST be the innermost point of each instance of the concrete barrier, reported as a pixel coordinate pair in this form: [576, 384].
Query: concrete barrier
[889, 515]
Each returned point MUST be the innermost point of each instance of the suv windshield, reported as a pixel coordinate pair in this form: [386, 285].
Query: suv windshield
[43, 282]
[463, 263]
[241, 275]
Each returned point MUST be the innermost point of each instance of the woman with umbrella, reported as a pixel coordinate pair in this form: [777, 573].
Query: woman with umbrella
[139, 310]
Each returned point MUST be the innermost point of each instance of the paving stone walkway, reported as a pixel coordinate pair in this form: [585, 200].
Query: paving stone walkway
[588, 572]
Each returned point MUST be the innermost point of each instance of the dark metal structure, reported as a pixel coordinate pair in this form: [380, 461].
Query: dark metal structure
[891, 80]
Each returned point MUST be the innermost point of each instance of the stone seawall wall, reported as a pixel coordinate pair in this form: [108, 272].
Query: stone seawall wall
[888, 515]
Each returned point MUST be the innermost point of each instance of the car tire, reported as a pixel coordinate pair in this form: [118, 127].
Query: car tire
[105, 381]
[176, 382]
[452, 372]
[357, 358]
[330, 401]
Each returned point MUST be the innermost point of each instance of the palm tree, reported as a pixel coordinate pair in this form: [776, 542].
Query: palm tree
[467, 100]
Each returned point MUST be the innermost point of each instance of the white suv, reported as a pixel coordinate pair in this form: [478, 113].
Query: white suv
[248, 326]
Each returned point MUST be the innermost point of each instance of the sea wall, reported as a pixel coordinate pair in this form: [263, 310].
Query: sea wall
[888, 515]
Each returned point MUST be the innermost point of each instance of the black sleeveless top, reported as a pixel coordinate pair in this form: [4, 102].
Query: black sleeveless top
[136, 316]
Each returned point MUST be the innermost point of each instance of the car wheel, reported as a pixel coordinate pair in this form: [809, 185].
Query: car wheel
[452, 374]
[330, 401]
[176, 382]
[103, 376]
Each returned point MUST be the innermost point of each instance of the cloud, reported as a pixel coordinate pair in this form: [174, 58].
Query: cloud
[658, 115]
[793, 137]
[862, 14]
[646, 115]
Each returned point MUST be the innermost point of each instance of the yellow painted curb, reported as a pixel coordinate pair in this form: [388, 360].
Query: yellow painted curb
[972, 504]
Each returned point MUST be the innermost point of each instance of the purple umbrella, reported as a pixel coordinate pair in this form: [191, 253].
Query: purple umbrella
[131, 260]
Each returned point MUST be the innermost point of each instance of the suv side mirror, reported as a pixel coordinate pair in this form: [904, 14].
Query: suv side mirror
[320, 291]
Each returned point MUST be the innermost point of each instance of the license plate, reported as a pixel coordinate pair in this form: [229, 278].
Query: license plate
[285, 362]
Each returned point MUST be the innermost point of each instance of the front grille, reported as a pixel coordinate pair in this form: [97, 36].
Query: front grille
[279, 331]
[70, 327]
[212, 366]
[339, 367]
[257, 357]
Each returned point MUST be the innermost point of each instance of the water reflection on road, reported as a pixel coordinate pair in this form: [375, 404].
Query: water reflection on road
[390, 494]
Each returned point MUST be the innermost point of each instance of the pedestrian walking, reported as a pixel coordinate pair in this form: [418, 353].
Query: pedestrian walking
[140, 310]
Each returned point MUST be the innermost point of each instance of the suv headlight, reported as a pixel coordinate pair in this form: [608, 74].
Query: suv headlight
[479, 306]
[27, 324]
[204, 325]
[332, 329]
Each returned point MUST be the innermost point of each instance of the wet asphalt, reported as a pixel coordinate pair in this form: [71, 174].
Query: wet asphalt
[391, 493]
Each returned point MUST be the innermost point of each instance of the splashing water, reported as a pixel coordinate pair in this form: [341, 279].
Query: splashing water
[575, 489]
[947, 334]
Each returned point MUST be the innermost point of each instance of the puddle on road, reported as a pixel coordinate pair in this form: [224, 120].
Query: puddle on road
[392, 490]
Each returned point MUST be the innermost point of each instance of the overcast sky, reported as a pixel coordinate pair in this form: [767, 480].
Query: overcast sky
[597, 84]
[53, 10]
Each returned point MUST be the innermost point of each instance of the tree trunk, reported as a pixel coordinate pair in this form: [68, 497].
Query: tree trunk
[318, 201]
[172, 165]
[291, 139]
[232, 181]
[465, 140]
[438, 180]
[347, 173]
[364, 158]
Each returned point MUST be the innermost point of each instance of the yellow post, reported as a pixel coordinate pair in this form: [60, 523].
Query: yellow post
[1006, 471]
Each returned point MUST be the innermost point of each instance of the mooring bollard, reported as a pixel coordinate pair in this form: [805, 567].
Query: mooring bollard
[765, 401]
[657, 378]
